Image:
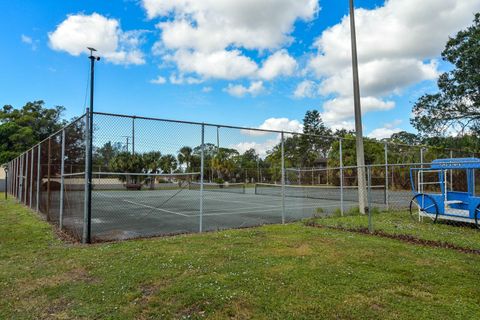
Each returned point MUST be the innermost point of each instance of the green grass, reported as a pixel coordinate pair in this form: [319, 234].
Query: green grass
[401, 223]
[278, 271]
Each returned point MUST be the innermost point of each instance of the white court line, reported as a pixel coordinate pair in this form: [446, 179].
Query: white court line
[168, 211]
[225, 213]
[255, 211]
[243, 202]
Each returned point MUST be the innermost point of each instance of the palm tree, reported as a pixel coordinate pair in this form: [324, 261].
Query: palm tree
[124, 162]
[184, 157]
[168, 163]
[223, 162]
[152, 161]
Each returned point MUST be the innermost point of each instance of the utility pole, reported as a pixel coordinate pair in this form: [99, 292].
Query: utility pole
[362, 186]
[126, 137]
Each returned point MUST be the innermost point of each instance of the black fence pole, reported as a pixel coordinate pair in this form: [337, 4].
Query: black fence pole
[6, 183]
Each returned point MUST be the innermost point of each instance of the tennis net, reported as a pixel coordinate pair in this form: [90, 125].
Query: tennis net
[350, 193]
[219, 187]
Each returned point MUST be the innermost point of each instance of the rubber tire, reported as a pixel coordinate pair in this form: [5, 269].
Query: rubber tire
[425, 196]
[477, 216]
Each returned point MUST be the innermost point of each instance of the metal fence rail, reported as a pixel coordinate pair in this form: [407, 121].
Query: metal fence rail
[153, 177]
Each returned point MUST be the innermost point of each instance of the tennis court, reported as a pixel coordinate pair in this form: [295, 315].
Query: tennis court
[123, 214]
[128, 214]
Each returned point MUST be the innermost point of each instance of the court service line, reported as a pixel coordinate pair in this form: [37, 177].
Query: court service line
[265, 210]
[158, 209]
[243, 202]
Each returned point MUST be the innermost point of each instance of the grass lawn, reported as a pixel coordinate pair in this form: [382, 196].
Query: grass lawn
[401, 223]
[278, 271]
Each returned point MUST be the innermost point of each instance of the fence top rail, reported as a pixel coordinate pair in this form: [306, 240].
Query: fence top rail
[382, 166]
[248, 128]
[206, 124]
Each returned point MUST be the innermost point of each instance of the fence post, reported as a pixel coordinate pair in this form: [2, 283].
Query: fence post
[6, 181]
[369, 198]
[14, 168]
[32, 156]
[12, 179]
[421, 163]
[62, 181]
[202, 164]
[17, 179]
[20, 185]
[341, 176]
[451, 173]
[87, 208]
[25, 178]
[24, 166]
[386, 177]
[133, 135]
[19, 176]
[283, 178]
[49, 172]
[39, 168]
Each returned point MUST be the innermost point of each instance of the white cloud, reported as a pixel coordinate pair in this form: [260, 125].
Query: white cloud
[239, 91]
[30, 41]
[382, 133]
[343, 125]
[278, 64]
[260, 148]
[26, 39]
[306, 89]
[398, 44]
[182, 79]
[268, 139]
[381, 77]
[159, 80]
[212, 25]
[386, 131]
[207, 89]
[221, 64]
[79, 31]
[341, 109]
[277, 124]
[208, 37]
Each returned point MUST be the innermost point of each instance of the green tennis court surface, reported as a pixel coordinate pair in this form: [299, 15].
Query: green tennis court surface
[122, 214]
[128, 214]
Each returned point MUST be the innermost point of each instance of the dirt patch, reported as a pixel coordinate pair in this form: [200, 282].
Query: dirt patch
[402, 237]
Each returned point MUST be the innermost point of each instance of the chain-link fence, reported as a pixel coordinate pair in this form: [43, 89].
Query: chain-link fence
[151, 177]
[49, 178]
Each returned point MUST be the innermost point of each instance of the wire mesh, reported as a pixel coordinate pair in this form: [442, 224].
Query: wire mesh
[154, 177]
[146, 168]
[240, 158]
[74, 178]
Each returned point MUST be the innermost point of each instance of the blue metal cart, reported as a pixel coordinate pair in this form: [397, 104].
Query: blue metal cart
[434, 194]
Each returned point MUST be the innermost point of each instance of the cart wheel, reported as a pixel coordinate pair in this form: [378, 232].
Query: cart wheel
[477, 216]
[417, 205]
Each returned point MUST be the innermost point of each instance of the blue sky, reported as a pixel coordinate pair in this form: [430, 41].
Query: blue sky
[248, 63]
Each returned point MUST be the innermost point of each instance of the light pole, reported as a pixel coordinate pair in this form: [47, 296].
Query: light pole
[90, 144]
[362, 186]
